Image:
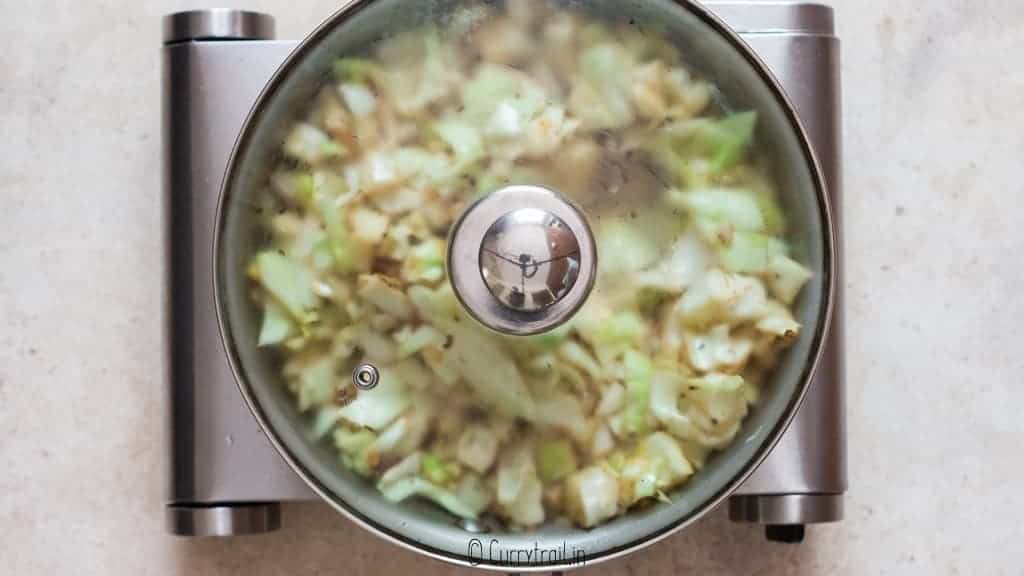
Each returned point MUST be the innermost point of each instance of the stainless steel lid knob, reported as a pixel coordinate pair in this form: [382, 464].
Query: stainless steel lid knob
[530, 259]
[522, 260]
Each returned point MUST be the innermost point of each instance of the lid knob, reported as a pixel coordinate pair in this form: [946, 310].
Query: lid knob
[529, 259]
[522, 260]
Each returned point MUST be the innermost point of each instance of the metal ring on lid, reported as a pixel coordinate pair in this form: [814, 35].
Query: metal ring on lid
[366, 377]
[522, 260]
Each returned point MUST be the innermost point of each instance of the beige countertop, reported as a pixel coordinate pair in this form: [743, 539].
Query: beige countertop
[933, 112]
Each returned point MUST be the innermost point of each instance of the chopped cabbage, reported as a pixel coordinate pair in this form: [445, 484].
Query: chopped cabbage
[694, 299]
[412, 340]
[491, 372]
[657, 465]
[354, 70]
[601, 95]
[737, 208]
[408, 487]
[786, 278]
[716, 350]
[277, 325]
[592, 496]
[386, 294]
[290, 282]
[311, 145]
[634, 418]
[317, 384]
[556, 459]
[519, 491]
[478, 448]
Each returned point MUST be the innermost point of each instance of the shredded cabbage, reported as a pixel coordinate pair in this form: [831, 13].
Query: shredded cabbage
[693, 304]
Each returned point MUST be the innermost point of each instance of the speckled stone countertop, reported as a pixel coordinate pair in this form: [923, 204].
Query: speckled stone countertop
[934, 93]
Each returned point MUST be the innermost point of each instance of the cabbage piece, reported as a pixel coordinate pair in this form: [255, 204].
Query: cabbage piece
[777, 320]
[386, 294]
[602, 92]
[771, 211]
[540, 347]
[406, 467]
[477, 448]
[412, 340]
[434, 469]
[688, 260]
[786, 278]
[378, 347]
[658, 464]
[634, 418]
[408, 487]
[603, 442]
[330, 196]
[318, 383]
[494, 86]
[293, 185]
[716, 350]
[489, 371]
[415, 375]
[738, 208]
[666, 388]
[352, 441]
[368, 225]
[563, 412]
[352, 444]
[425, 262]
[728, 138]
[574, 353]
[442, 364]
[515, 467]
[354, 70]
[608, 331]
[311, 145]
[519, 492]
[405, 434]
[751, 253]
[289, 282]
[547, 131]
[528, 509]
[723, 141]
[359, 99]
[472, 492]
[388, 440]
[719, 297]
[720, 400]
[277, 325]
[378, 407]
[688, 96]
[613, 399]
[463, 138]
[419, 70]
[592, 496]
[504, 40]
[625, 247]
[555, 460]
[324, 420]
[692, 151]
[397, 179]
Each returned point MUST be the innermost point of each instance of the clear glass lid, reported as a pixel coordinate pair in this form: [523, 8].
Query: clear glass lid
[527, 263]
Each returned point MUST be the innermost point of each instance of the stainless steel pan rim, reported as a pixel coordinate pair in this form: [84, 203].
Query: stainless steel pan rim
[807, 375]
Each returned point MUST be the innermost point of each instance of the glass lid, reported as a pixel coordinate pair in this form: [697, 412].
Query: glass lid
[523, 267]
